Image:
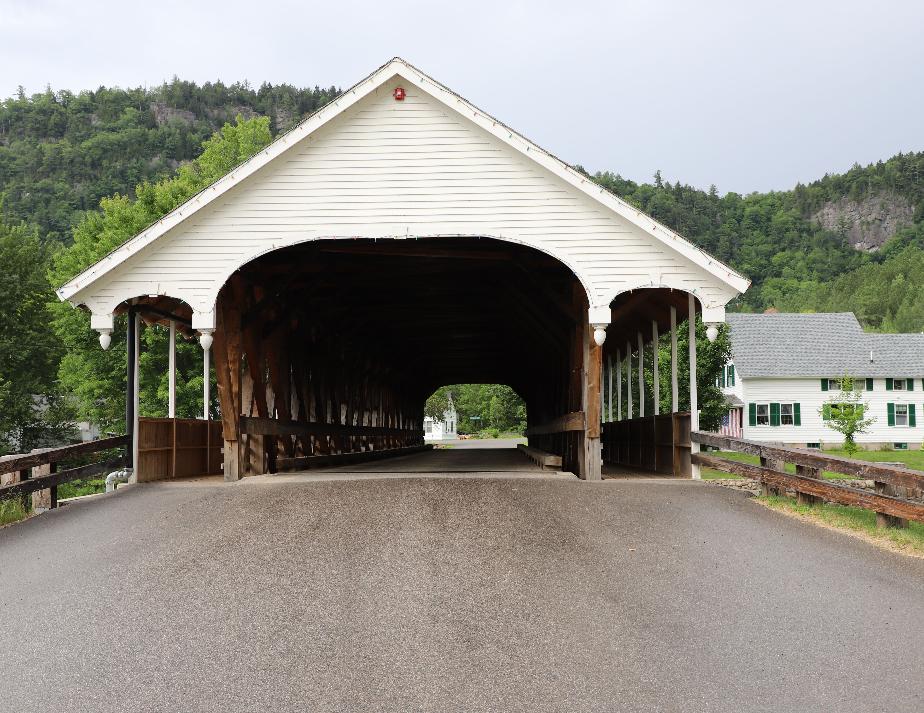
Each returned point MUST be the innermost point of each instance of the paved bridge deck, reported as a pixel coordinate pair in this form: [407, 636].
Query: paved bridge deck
[454, 594]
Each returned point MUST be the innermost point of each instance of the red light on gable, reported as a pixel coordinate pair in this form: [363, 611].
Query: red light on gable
[399, 94]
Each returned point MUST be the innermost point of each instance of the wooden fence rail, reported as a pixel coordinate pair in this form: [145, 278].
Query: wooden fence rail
[38, 471]
[895, 485]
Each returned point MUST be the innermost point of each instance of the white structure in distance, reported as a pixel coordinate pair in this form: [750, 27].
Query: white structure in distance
[442, 430]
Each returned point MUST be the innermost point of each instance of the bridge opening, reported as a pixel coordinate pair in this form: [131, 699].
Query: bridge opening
[343, 341]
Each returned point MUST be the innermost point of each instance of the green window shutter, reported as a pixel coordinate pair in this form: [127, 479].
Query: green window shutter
[826, 412]
[752, 414]
[869, 384]
[909, 384]
[796, 415]
[912, 422]
[824, 384]
[888, 384]
[891, 413]
[731, 374]
[774, 414]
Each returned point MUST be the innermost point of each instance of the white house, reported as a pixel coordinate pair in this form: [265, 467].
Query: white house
[784, 368]
[445, 430]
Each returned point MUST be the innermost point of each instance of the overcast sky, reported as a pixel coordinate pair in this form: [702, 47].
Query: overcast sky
[746, 95]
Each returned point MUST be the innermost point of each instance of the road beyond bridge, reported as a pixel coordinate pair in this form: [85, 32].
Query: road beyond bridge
[451, 594]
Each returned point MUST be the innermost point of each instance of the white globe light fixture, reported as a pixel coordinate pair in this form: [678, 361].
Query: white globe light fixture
[599, 334]
[205, 339]
[712, 332]
[105, 338]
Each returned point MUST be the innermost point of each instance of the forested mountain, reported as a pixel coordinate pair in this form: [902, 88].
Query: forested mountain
[61, 153]
[80, 173]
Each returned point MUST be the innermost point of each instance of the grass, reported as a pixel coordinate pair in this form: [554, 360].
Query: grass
[855, 521]
[11, 510]
[77, 488]
[913, 459]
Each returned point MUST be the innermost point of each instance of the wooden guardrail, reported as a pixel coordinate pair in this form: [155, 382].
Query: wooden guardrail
[38, 471]
[569, 422]
[898, 490]
[320, 443]
[657, 444]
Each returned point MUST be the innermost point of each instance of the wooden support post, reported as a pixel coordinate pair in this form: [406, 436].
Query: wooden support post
[641, 376]
[629, 377]
[655, 376]
[808, 472]
[171, 372]
[772, 464]
[675, 399]
[896, 491]
[694, 405]
[47, 499]
[593, 369]
[227, 346]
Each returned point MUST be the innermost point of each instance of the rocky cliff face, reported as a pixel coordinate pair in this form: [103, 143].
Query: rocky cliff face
[867, 223]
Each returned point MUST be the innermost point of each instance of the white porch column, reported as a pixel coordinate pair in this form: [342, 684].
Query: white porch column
[618, 385]
[629, 376]
[205, 340]
[694, 406]
[136, 395]
[674, 395]
[656, 386]
[171, 372]
[641, 376]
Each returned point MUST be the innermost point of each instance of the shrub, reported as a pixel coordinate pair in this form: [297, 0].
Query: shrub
[11, 510]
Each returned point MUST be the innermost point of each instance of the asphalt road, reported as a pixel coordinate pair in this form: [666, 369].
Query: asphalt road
[449, 594]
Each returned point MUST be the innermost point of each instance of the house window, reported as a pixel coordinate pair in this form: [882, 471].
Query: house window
[901, 414]
[900, 446]
[899, 385]
[786, 415]
[730, 378]
[428, 427]
[817, 446]
[763, 414]
[858, 384]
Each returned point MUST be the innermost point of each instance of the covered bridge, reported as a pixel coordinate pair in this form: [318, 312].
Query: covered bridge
[305, 269]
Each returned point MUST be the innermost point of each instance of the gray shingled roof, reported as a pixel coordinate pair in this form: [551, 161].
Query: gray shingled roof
[824, 344]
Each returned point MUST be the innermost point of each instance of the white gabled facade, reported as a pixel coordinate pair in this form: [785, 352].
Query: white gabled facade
[789, 408]
[371, 166]
[808, 394]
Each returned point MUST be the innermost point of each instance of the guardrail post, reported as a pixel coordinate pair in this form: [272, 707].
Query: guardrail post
[47, 499]
[896, 491]
[772, 464]
[808, 472]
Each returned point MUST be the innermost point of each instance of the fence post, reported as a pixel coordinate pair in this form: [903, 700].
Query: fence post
[808, 472]
[772, 464]
[46, 499]
[896, 491]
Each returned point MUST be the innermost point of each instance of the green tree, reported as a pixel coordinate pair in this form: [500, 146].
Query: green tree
[31, 413]
[97, 378]
[845, 412]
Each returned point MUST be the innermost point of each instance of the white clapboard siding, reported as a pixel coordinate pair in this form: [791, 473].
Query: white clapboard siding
[807, 392]
[401, 169]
